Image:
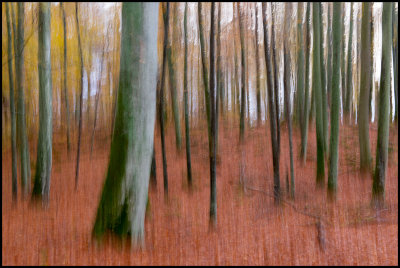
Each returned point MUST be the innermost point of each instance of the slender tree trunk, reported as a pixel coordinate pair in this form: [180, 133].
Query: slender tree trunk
[219, 94]
[329, 60]
[316, 84]
[349, 80]
[41, 187]
[12, 109]
[300, 66]
[323, 83]
[205, 70]
[80, 99]
[258, 91]
[286, 79]
[213, 181]
[272, 110]
[304, 130]
[395, 59]
[65, 76]
[378, 187]
[173, 78]
[21, 118]
[185, 84]
[363, 117]
[243, 61]
[335, 105]
[276, 85]
[343, 61]
[123, 202]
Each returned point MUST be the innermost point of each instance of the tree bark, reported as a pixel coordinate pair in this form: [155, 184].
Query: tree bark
[41, 187]
[378, 186]
[123, 202]
[335, 104]
[243, 61]
[349, 80]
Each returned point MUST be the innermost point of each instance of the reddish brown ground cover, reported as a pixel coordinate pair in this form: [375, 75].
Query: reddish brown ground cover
[251, 230]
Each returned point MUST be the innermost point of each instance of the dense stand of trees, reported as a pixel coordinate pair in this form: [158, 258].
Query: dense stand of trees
[319, 81]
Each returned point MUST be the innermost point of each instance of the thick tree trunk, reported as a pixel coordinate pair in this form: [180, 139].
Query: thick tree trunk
[323, 83]
[41, 187]
[185, 84]
[329, 60]
[12, 109]
[363, 115]
[123, 202]
[271, 105]
[335, 105]
[21, 119]
[286, 79]
[378, 187]
[316, 84]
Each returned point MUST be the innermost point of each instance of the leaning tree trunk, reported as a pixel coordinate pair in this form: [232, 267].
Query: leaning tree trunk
[286, 79]
[21, 119]
[81, 97]
[65, 76]
[304, 129]
[378, 187]
[185, 84]
[12, 109]
[363, 115]
[349, 79]
[123, 202]
[316, 84]
[41, 187]
[335, 103]
[271, 105]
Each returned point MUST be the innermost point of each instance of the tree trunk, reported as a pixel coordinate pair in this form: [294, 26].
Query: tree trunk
[323, 83]
[185, 84]
[243, 71]
[304, 130]
[173, 78]
[363, 117]
[12, 109]
[21, 118]
[272, 110]
[41, 187]
[213, 181]
[378, 187]
[335, 105]
[123, 202]
[65, 76]
[329, 60]
[349, 80]
[395, 59]
[80, 99]
[220, 82]
[276, 85]
[161, 109]
[300, 66]
[286, 79]
[316, 84]
[258, 90]
[205, 70]
[342, 56]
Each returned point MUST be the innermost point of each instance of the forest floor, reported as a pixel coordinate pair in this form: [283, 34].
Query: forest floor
[251, 230]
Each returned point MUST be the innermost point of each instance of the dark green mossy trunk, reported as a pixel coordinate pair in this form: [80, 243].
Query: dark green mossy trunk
[349, 73]
[123, 201]
[323, 82]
